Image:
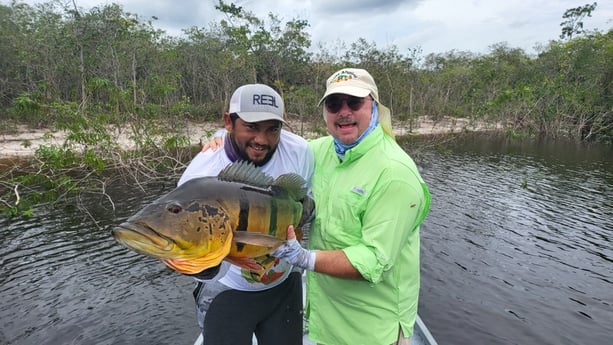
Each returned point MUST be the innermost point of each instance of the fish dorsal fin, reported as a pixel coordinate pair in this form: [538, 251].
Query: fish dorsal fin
[245, 172]
[293, 184]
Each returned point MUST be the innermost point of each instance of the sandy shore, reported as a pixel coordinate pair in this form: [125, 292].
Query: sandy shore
[26, 141]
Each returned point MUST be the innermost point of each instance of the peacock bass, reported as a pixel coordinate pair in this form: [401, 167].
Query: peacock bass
[240, 213]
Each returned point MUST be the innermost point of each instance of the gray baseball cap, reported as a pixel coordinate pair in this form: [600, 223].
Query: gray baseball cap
[257, 102]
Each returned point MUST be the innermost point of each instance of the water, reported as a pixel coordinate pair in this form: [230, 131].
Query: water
[516, 250]
[64, 280]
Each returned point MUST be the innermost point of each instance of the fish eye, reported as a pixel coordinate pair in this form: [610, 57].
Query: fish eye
[174, 208]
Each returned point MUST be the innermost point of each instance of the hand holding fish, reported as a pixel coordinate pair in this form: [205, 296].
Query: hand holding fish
[293, 252]
[213, 144]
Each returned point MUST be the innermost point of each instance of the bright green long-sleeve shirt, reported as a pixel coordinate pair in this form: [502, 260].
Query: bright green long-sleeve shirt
[369, 205]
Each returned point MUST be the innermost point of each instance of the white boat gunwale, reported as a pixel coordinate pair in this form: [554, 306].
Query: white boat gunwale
[421, 336]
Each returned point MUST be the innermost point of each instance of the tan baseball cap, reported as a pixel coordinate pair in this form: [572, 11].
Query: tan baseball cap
[359, 83]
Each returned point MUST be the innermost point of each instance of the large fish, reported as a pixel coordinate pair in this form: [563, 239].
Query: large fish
[241, 213]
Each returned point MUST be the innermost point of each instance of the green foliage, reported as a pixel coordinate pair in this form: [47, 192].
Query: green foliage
[175, 142]
[53, 157]
[92, 160]
[24, 104]
[28, 109]
[110, 65]
[516, 134]
[181, 108]
[124, 91]
[89, 153]
[269, 52]
[23, 208]
[49, 183]
[573, 24]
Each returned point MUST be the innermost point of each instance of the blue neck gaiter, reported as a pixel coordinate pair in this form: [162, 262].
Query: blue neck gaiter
[341, 148]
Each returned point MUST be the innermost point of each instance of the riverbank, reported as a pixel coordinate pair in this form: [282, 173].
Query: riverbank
[24, 141]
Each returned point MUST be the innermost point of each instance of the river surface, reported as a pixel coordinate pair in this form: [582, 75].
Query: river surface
[517, 249]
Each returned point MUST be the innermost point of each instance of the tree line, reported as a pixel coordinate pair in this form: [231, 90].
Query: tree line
[102, 71]
[103, 62]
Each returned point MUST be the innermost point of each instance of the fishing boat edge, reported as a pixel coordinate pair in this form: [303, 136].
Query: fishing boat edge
[421, 336]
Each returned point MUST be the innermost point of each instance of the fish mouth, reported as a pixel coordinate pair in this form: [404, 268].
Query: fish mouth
[144, 239]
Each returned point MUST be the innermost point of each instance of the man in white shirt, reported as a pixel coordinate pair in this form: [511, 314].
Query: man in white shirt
[234, 303]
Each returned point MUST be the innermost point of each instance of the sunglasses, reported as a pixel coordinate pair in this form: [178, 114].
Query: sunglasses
[334, 103]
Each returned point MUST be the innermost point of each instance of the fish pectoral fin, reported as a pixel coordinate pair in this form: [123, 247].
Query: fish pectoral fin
[244, 262]
[256, 239]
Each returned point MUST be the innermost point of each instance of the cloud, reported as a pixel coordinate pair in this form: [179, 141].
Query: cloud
[437, 26]
[363, 8]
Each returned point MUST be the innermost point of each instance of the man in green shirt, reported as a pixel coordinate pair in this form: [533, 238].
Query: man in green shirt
[363, 257]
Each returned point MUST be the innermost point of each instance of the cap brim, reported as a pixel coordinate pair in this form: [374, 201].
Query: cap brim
[258, 117]
[347, 90]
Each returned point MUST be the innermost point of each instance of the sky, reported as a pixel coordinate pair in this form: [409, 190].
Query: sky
[434, 26]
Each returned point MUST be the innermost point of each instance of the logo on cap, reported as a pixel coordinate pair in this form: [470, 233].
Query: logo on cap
[343, 76]
[264, 99]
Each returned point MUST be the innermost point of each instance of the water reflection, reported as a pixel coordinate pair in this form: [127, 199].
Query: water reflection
[517, 249]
